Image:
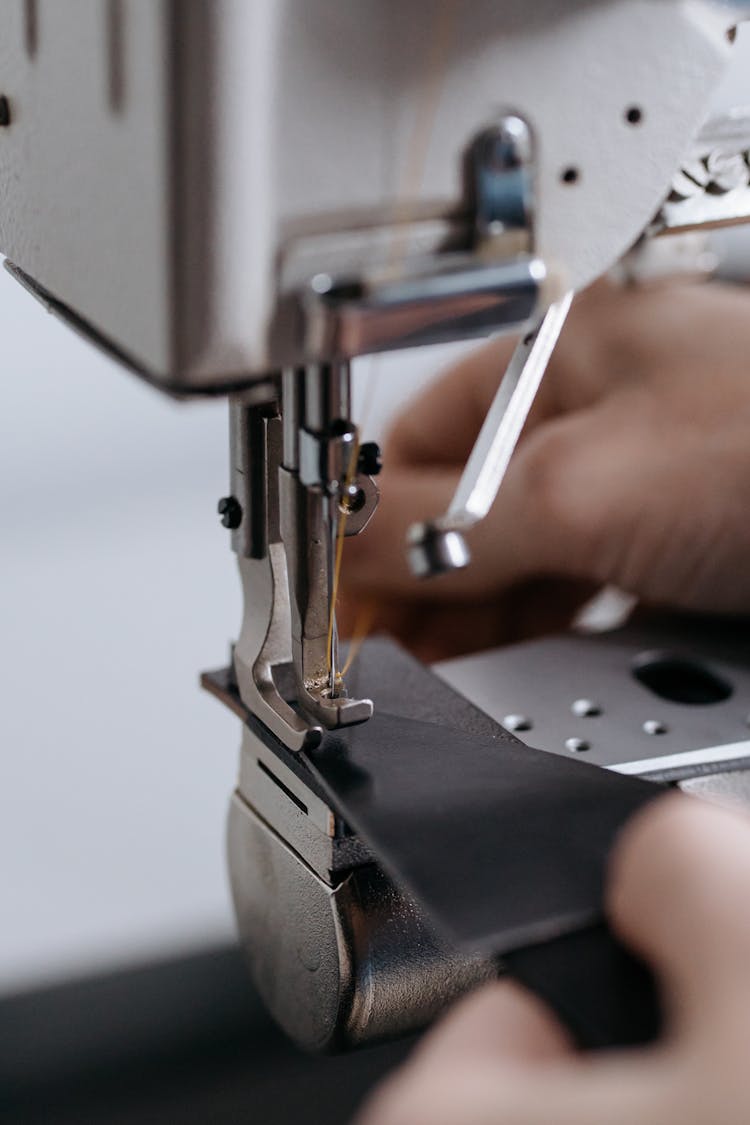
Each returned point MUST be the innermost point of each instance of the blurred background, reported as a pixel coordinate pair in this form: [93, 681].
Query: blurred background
[118, 586]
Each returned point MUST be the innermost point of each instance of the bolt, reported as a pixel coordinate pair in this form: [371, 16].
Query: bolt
[577, 745]
[370, 459]
[585, 709]
[517, 723]
[352, 501]
[231, 512]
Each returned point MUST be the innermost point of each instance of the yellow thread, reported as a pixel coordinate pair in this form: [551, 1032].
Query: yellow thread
[362, 627]
[340, 536]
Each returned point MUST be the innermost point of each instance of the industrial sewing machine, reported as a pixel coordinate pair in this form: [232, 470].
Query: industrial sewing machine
[241, 198]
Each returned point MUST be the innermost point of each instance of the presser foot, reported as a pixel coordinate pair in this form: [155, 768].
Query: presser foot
[335, 711]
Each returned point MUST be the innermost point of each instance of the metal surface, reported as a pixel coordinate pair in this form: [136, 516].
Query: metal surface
[264, 647]
[712, 188]
[630, 729]
[340, 956]
[337, 966]
[502, 171]
[435, 547]
[448, 297]
[225, 153]
[313, 516]
[296, 482]
[435, 550]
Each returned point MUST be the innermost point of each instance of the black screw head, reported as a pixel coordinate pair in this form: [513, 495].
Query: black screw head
[370, 459]
[231, 512]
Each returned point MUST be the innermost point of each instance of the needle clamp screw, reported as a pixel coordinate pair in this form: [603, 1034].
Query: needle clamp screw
[231, 512]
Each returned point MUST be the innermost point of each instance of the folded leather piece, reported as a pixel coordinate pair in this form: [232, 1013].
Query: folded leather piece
[505, 848]
[601, 993]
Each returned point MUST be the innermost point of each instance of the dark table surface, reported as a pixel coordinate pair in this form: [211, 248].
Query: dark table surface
[178, 1042]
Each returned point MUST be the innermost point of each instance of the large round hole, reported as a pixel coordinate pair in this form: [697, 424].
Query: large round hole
[680, 679]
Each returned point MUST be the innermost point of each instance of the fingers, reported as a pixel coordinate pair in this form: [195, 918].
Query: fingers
[634, 471]
[500, 1058]
[567, 1093]
[425, 456]
[500, 1025]
[441, 425]
[554, 508]
[680, 896]
[500, 1022]
[438, 630]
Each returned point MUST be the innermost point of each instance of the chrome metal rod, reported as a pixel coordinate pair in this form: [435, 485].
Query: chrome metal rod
[488, 463]
[438, 546]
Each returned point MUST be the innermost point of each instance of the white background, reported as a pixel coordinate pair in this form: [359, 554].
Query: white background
[116, 586]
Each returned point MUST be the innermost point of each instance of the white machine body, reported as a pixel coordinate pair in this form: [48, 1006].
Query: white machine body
[171, 171]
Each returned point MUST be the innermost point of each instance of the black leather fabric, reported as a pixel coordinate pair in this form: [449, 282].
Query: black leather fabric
[600, 992]
[505, 848]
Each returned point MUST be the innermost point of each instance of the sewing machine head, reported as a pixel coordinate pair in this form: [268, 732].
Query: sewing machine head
[236, 190]
[242, 198]
[285, 183]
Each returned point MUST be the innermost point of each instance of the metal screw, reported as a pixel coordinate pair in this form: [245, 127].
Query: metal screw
[230, 511]
[436, 550]
[577, 745]
[353, 500]
[370, 459]
[517, 723]
[655, 726]
[585, 709]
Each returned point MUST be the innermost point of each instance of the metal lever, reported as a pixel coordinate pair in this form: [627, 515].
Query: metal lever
[439, 546]
[494, 281]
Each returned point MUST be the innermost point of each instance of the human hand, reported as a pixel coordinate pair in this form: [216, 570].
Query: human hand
[633, 470]
[678, 896]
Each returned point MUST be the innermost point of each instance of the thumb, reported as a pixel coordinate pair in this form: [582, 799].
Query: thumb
[679, 884]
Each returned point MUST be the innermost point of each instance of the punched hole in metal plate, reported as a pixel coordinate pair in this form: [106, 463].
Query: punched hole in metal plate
[680, 679]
